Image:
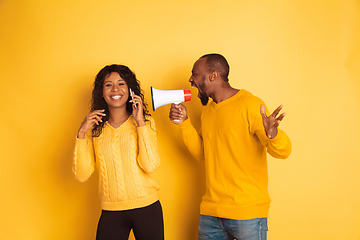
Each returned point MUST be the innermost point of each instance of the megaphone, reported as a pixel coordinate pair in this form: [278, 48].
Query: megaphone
[163, 97]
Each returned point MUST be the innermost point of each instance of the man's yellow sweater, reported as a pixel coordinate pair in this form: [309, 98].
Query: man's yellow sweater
[125, 157]
[233, 143]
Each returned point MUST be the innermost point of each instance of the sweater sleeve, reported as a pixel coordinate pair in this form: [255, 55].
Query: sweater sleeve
[192, 139]
[278, 147]
[84, 160]
[148, 159]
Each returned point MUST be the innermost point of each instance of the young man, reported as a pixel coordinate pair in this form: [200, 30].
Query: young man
[234, 139]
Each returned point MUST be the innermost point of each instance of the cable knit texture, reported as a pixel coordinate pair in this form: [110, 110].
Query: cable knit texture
[125, 157]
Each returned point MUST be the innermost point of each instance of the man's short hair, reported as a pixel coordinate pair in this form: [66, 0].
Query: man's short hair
[217, 62]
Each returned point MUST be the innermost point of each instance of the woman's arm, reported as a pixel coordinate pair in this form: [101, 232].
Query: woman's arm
[84, 160]
[148, 159]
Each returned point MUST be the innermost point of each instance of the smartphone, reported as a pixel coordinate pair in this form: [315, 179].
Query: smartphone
[131, 93]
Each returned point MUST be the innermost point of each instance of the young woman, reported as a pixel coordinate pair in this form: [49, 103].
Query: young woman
[118, 138]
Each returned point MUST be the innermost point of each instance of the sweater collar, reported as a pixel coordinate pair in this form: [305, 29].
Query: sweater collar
[124, 124]
[226, 101]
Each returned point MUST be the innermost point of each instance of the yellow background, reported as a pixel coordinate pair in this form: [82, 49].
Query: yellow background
[303, 54]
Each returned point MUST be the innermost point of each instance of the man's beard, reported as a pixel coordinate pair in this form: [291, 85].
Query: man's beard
[203, 98]
[201, 88]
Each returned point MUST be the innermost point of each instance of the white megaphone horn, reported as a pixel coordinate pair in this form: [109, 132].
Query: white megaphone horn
[163, 97]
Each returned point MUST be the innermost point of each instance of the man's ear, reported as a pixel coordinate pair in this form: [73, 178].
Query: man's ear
[213, 75]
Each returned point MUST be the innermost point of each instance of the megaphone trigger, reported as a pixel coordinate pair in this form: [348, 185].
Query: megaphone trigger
[164, 97]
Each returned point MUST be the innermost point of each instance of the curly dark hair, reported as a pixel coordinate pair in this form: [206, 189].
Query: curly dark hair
[98, 102]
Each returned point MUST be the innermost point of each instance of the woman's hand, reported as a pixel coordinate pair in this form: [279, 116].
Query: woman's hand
[138, 108]
[92, 118]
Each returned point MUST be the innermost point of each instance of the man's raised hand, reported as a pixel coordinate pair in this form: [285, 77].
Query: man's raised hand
[272, 122]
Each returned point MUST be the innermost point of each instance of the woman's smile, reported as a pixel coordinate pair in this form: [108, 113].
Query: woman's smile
[116, 97]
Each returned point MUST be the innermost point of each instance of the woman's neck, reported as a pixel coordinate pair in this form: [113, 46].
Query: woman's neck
[117, 117]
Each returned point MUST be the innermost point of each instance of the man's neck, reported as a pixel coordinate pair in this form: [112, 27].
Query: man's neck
[223, 93]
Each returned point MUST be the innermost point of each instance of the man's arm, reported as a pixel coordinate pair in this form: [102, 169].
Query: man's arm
[266, 127]
[191, 138]
[277, 142]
